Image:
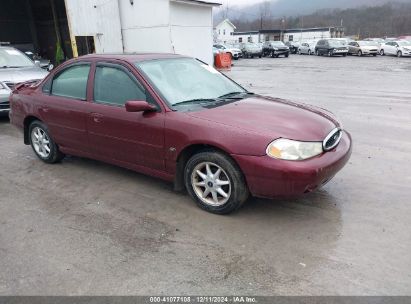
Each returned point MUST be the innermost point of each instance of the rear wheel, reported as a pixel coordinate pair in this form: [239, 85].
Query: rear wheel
[215, 182]
[329, 54]
[42, 143]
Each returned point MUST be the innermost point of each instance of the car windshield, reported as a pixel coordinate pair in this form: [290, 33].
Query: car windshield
[277, 43]
[12, 58]
[367, 43]
[337, 43]
[404, 43]
[184, 80]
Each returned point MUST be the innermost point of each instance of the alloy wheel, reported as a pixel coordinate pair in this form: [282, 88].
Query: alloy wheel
[41, 142]
[399, 54]
[211, 184]
[359, 53]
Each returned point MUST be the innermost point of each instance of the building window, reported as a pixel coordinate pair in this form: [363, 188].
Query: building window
[250, 39]
[240, 40]
[219, 32]
[224, 32]
[267, 38]
[291, 38]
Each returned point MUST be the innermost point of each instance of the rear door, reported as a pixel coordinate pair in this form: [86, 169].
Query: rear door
[114, 133]
[64, 109]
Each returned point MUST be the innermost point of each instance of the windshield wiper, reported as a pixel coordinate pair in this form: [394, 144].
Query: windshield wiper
[195, 100]
[233, 94]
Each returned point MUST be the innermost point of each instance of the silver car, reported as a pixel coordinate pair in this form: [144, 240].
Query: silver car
[361, 48]
[15, 67]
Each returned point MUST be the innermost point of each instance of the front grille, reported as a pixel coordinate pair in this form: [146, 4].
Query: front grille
[332, 140]
[4, 105]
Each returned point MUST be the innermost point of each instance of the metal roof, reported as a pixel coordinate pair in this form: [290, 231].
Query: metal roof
[205, 2]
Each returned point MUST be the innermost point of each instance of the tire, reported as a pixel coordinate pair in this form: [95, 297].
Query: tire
[231, 178]
[399, 54]
[286, 55]
[359, 53]
[329, 54]
[317, 52]
[309, 52]
[259, 56]
[375, 55]
[344, 55]
[382, 53]
[42, 143]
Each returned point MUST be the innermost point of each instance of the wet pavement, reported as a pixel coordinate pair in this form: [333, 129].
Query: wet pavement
[85, 228]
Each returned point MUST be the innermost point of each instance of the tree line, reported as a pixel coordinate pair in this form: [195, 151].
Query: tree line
[392, 19]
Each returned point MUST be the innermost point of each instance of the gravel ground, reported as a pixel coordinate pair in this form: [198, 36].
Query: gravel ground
[87, 228]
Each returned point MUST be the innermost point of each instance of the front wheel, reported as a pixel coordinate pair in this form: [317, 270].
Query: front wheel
[215, 182]
[42, 143]
[382, 53]
[399, 54]
[309, 52]
[359, 53]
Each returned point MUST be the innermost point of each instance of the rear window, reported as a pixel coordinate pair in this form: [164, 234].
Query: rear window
[72, 82]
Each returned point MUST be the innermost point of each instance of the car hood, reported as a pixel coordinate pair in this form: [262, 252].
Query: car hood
[17, 75]
[370, 47]
[275, 118]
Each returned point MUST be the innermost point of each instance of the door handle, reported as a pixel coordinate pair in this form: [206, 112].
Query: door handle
[97, 117]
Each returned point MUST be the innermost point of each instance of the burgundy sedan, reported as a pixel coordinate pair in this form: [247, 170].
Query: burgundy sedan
[179, 119]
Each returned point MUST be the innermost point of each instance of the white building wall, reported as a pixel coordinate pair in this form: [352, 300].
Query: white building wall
[164, 26]
[146, 26]
[306, 36]
[245, 38]
[191, 30]
[90, 18]
[224, 32]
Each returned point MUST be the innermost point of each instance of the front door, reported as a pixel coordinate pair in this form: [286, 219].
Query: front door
[118, 135]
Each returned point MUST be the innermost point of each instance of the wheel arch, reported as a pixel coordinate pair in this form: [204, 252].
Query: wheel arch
[186, 154]
[27, 121]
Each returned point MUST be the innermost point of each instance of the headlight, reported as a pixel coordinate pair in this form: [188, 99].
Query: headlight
[287, 149]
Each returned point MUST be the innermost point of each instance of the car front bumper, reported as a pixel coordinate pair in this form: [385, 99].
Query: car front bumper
[281, 52]
[270, 178]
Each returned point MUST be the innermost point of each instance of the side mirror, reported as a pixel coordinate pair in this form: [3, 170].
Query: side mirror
[139, 106]
[37, 63]
[50, 67]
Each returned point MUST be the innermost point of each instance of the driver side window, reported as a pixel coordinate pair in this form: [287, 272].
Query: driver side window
[114, 86]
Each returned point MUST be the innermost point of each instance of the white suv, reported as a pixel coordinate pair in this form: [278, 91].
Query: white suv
[398, 48]
[234, 52]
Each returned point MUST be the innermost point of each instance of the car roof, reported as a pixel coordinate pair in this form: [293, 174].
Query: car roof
[133, 57]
